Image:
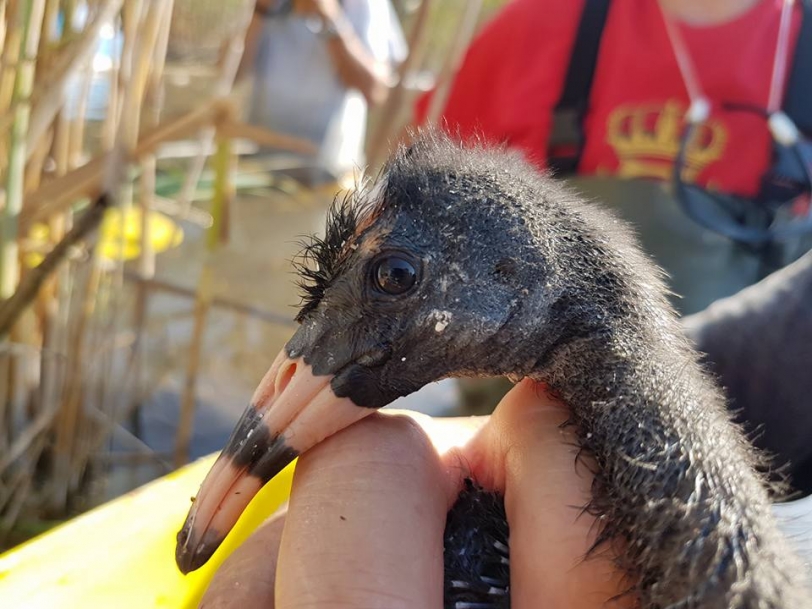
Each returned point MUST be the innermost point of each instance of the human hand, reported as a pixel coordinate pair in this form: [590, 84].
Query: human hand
[365, 523]
[327, 10]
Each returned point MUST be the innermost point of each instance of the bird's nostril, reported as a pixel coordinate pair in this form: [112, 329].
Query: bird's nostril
[376, 356]
[284, 376]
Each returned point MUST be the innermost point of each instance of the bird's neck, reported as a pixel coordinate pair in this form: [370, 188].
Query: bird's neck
[670, 465]
[625, 364]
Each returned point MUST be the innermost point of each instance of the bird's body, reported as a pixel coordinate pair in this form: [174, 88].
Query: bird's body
[476, 551]
[465, 262]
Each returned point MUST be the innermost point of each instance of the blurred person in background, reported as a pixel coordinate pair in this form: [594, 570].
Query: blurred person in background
[316, 66]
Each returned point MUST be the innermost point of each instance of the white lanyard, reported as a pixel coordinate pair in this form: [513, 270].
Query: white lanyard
[781, 126]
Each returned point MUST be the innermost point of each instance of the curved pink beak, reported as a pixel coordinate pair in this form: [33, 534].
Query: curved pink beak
[291, 411]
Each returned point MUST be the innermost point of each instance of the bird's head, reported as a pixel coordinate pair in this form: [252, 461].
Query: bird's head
[439, 269]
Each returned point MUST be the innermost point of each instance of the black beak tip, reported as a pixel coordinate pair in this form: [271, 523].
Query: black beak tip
[263, 458]
[190, 553]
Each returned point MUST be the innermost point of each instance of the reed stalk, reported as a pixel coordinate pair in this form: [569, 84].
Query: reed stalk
[70, 426]
[183, 435]
[11, 54]
[223, 192]
[3, 29]
[7, 436]
[229, 69]
[36, 164]
[146, 190]
[387, 119]
[49, 26]
[59, 194]
[11, 309]
[23, 85]
[76, 134]
[50, 100]
[85, 181]
[464, 34]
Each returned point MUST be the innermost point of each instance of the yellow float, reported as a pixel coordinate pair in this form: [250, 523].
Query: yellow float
[119, 235]
[122, 555]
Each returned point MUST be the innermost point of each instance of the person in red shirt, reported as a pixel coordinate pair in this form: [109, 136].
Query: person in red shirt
[728, 59]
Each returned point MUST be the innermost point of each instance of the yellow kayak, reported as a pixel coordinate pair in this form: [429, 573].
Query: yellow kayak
[122, 554]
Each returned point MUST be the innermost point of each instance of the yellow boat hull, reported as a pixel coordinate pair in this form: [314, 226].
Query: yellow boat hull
[122, 554]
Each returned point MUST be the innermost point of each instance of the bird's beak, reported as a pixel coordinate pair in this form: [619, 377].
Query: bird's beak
[291, 411]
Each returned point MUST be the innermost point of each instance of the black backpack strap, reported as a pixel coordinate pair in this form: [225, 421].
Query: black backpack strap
[584, 57]
[566, 141]
[798, 98]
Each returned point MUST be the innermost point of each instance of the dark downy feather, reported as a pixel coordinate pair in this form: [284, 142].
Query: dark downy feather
[476, 551]
[322, 259]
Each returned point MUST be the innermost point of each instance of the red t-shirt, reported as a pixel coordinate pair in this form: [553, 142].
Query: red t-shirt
[514, 71]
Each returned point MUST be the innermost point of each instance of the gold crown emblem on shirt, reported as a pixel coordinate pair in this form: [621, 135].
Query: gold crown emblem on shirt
[646, 140]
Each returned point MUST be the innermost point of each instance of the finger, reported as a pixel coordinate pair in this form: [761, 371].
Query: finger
[249, 574]
[534, 459]
[247, 577]
[450, 437]
[366, 519]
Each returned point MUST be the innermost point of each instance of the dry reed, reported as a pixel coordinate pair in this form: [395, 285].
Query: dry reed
[71, 363]
[72, 357]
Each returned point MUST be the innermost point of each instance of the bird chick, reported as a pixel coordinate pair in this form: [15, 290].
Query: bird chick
[463, 261]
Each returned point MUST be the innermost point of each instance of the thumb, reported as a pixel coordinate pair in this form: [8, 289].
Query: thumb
[528, 453]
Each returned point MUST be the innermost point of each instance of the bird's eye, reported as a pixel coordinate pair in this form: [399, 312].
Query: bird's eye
[394, 275]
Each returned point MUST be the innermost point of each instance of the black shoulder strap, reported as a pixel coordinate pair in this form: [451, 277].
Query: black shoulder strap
[584, 57]
[567, 138]
[798, 99]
